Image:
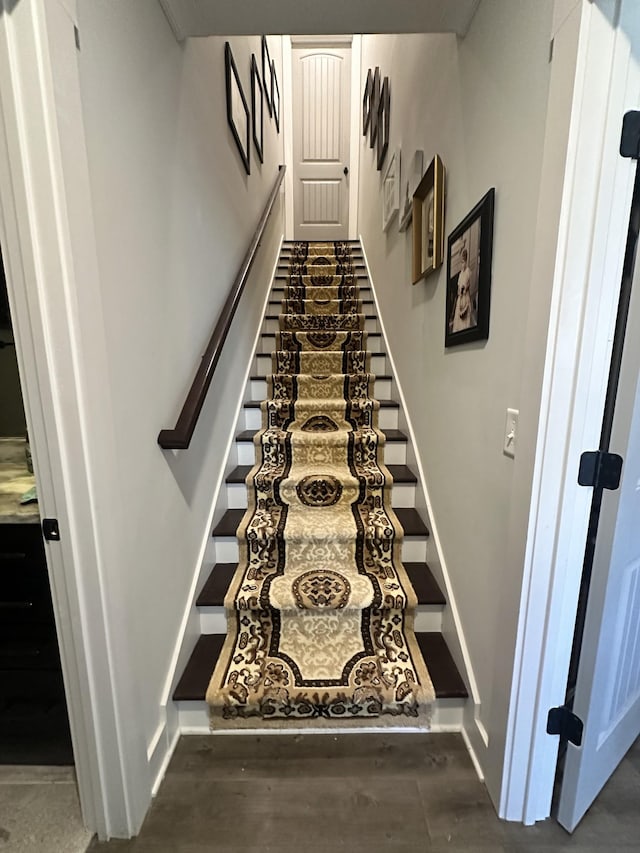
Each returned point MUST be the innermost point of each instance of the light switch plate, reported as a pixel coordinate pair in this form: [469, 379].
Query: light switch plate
[510, 433]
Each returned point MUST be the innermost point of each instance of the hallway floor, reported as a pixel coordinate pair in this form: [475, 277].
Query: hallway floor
[357, 793]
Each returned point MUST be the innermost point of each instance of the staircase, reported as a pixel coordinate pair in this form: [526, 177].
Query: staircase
[449, 687]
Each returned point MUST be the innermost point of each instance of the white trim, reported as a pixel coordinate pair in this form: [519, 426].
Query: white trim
[354, 135]
[336, 41]
[591, 243]
[451, 602]
[165, 762]
[287, 94]
[49, 246]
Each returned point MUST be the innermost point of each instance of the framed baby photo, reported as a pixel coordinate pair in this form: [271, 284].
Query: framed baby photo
[469, 253]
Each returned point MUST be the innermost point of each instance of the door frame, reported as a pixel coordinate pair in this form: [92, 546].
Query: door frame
[590, 253]
[355, 43]
[48, 238]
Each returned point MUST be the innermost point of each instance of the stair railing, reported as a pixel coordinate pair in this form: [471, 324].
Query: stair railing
[180, 436]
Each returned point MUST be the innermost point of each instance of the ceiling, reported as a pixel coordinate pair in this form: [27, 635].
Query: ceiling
[317, 17]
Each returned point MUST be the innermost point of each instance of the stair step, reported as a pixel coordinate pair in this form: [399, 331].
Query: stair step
[384, 404]
[447, 681]
[408, 517]
[216, 586]
[382, 377]
[276, 316]
[389, 434]
[400, 474]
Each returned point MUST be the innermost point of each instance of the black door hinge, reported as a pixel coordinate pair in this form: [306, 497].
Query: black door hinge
[562, 721]
[600, 470]
[50, 529]
[630, 139]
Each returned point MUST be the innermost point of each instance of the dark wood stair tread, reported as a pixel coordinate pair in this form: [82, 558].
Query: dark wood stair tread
[217, 584]
[390, 435]
[369, 335]
[255, 377]
[447, 681]
[197, 673]
[384, 404]
[275, 316]
[400, 474]
[408, 517]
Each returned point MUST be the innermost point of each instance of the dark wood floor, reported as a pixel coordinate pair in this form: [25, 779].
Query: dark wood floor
[356, 793]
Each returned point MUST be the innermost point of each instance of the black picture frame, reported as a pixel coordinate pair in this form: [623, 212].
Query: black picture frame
[266, 74]
[375, 99]
[366, 102]
[468, 304]
[240, 134]
[275, 96]
[383, 121]
[257, 109]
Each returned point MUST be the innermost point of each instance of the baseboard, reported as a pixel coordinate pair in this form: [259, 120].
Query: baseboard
[435, 543]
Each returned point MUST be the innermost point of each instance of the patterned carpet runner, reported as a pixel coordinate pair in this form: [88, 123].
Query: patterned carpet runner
[320, 610]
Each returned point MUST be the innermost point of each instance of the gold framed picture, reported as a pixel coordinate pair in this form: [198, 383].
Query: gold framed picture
[428, 221]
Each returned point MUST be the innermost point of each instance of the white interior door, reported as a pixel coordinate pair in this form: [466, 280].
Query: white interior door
[321, 126]
[607, 695]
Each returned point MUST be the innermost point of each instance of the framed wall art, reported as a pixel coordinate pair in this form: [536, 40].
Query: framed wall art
[375, 98]
[469, 253]
[384, 116]
[257, 109]
[428, 221]
[391, 190]
[237, 109]
[410, 181]
[366, 102]
[275, 96]
[266, 74]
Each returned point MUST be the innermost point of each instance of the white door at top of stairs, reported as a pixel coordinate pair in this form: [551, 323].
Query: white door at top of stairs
[321, 77]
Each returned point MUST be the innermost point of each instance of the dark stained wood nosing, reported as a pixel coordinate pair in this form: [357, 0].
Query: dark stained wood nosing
[408, 517]
[257, 377]
[384, 404]
[197, 673]
[275, 316]
[364, 289]
[217, 584]
[390, 435]
[446, 679]
[369, 335]
[179, 437]
[400, 474]
[278, 302]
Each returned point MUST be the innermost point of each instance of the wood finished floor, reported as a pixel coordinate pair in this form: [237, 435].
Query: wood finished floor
[356, 794]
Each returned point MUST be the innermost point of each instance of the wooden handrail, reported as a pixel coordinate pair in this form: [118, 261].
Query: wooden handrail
[179, 437]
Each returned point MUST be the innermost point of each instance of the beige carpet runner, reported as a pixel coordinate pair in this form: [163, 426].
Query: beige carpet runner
[320, 611]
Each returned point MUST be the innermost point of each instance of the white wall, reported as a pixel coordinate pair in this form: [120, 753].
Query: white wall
[174, 212]
[481, 104]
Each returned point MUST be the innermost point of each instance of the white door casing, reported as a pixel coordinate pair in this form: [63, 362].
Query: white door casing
[321, 82]
[607, 694]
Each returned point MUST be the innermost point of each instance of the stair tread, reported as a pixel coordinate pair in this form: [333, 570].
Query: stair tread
[369, 334]
[390, 435]
[257, 376]
[197, 673]
[447, 681]
[384, 404]
[408, 517]
[400, 474]
[217, 584]
[275, 316]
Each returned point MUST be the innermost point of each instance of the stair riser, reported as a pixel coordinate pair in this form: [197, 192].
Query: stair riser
[388, 419]
[447, 715]
[414, 549]
[214, 621]
[395, 453]
[272, 326]
[403, 495]
[268, 342]
[381, 389]
[263, 365]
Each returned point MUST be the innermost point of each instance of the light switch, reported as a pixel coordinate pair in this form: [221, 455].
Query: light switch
[510, 433]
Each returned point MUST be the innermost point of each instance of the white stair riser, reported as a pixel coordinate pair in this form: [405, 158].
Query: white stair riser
[414, 549]
[263, 366]
[381, 389]
[388, 418]
[370, 325]
[395, 453]
[447, 715]
[213, 620]
[267, 343]
[403, 495]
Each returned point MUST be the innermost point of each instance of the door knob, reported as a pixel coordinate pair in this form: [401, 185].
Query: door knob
[346, 170]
